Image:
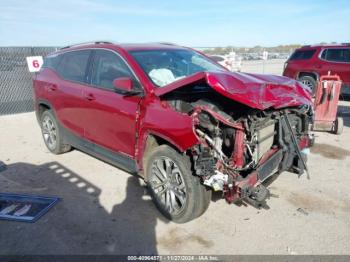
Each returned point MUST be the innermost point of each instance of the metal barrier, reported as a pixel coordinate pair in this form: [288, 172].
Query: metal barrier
[16, 94]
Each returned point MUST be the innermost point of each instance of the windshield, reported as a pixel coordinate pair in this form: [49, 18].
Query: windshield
[166, 66]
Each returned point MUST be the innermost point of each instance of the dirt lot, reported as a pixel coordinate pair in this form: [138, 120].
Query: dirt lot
[104, 210]
[273, 66]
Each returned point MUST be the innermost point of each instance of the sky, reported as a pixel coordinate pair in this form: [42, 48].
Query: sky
[197, 23]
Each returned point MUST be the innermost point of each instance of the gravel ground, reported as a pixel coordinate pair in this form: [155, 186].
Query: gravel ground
[104, 210]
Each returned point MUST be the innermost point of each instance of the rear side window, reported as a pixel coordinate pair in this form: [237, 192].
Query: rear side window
[302, 54]
[52, 61]
[73, 65]
[336, 55]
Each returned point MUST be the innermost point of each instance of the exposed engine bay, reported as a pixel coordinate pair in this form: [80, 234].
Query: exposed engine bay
[241, 147]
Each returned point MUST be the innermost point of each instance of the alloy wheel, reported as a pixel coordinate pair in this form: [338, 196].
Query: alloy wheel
[167, 183]
[49, 132]
[308, 84]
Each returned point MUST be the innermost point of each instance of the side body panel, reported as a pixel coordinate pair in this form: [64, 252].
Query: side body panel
[110, 119]
[120, 160]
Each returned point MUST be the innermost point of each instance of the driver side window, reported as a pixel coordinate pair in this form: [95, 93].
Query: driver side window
[108, 66]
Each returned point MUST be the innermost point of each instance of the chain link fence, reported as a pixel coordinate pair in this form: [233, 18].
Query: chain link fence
[16, 93]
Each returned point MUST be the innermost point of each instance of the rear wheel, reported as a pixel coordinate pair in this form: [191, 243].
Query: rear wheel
[52, 135]
[310, 82]
[177, 193]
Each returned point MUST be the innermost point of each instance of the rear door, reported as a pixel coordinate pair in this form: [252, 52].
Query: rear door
[337, 61]
[66, 94]
[110, 118]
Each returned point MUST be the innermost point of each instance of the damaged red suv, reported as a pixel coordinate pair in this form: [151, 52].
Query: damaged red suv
[176, 118]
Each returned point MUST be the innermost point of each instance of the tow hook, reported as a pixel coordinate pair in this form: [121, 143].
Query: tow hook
[258, 195]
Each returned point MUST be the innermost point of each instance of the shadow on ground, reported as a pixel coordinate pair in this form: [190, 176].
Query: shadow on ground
[78, 224]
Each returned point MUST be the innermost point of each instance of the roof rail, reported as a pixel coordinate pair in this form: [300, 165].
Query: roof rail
[330, 44]
[325, 44]
[87, 43]
[166, 43]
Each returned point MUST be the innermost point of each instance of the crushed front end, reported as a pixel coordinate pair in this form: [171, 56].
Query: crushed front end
[237, 156]
[249, 128]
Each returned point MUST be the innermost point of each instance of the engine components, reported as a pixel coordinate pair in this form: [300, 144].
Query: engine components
[241, 147]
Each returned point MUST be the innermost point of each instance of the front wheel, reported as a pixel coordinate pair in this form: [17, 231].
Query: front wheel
[177, 193]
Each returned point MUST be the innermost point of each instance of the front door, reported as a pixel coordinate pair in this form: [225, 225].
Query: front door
[110, 118]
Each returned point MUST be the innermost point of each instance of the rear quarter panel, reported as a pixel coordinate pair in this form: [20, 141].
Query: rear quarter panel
[295, 67]
[41, 82]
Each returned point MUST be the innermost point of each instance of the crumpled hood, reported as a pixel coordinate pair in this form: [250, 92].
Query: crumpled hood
[254, 90]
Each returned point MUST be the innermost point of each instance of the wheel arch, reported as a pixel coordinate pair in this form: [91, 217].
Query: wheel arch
[314, 75]
[149, 141]
[40, 107]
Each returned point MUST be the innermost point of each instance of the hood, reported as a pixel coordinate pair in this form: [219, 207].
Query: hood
[254, 90]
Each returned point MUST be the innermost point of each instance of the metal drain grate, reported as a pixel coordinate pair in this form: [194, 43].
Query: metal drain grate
[24, 208]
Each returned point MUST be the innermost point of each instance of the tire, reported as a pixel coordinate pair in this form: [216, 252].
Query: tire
[310, 82]
[51, 134]
[204, 200]
[338, 126]
[176, 192]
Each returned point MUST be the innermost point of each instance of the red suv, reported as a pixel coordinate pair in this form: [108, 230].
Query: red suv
[175, 117]
[308, 63]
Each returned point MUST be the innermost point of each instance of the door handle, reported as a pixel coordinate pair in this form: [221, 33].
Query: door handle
[52, 87]
[90, 97]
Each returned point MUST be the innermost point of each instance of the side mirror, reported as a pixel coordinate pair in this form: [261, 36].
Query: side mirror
[123, 84]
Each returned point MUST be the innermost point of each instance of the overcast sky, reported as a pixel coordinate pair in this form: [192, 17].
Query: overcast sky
[197, 23]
